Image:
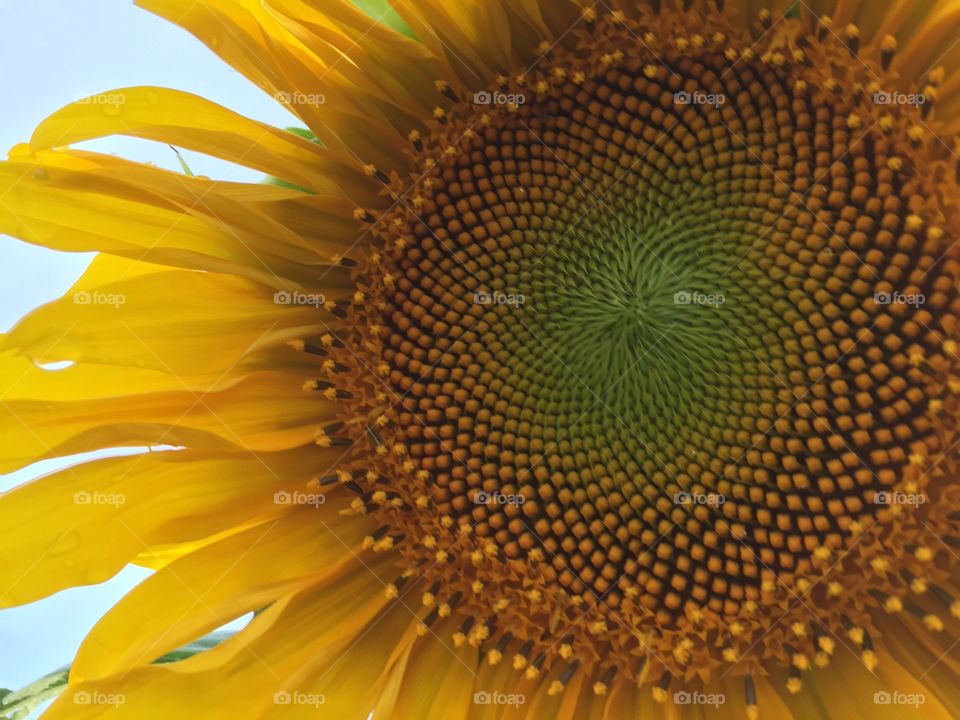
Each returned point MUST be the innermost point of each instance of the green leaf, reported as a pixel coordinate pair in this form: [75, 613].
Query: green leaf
[18, 705]
[383, 11]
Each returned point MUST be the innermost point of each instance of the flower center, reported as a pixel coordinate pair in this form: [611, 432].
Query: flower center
[655, 339]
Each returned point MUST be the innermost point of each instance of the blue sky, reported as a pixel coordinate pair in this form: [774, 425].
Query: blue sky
[54, 52]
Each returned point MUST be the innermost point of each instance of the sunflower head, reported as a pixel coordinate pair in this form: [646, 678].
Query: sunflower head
[602, 358]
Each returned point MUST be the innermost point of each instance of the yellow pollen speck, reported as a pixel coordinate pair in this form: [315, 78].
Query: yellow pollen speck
[391, 591]
[798, 629]
[937, 75]
[459, 639]
[822, 553]
[918, 586]
[821, 659]
[441, 556]
[854, 121]
[913, 223]
[428, 599]
[566, 651]
[895, 164]
[893, 604]
[494, 657]
[924, 554]
[870, 660]
[917, 459]
[443, 610]
[888, 43]
[531, 672]
[730, 54]
[933, 623]
[659, 694]
[422, 629]
[682, 44]
[880, 565]
[856, 635]
[519, 662]
[834, 589]
[556, 687]
[794, 685]
[730, 655]
[599, 688]
[915, 133]
[650, 71]
[736, 629]
[534, 595]
[446, 521]
[476, 586]
[827, 644]
[752, 712]
[801, 661]
[597, 627]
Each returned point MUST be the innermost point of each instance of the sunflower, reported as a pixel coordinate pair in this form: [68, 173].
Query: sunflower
[584, 360]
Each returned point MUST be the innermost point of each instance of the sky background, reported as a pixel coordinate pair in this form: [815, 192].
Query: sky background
[55, 52]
